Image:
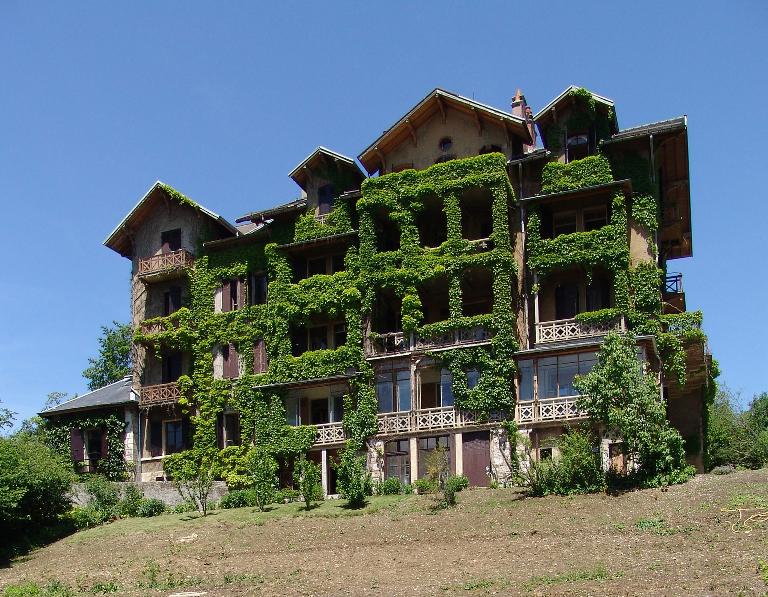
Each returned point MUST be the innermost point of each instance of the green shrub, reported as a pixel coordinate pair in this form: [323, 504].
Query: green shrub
[263, 475]
[184, 507]
[308, 478]
[193, 473]
[129, 505]
[104, 493]
[452, 486]
[32, 589]
[578, 468]
[238, 498]
[424, 486]
[391, 486]
[407, 489]
[354, 480]
[34, 486]
[287, 496]
[151, 507]
[88, 517]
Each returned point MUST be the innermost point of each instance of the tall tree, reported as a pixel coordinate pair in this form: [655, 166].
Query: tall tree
[114, 360]
[7, 417]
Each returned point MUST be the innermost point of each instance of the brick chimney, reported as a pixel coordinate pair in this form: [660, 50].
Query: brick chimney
[520, 108]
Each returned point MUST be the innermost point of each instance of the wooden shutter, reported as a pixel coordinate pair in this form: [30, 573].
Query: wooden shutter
[155, 438]
[240, 293]
[231, 361]
[259, 356]
[77, 445]
[226, 297]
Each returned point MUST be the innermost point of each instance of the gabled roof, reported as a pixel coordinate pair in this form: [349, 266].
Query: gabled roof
[118, 240]
[300, 174]
[564, 96]
[437, 101]
[114, 394]
[295, 206]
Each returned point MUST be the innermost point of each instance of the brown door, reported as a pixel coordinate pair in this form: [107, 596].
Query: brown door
[476, 447]
[616, 456]
[429, 395]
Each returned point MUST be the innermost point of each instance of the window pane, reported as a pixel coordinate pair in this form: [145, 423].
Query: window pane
[173, 437]
[587, 360]
[595, 218]
[548, 378]
[316, 266]
[404, 390]
[526, 381]
[564, 223]
[384, 393]
[318, 338]
[337, 413]
[339, 335]
[473, 376]
[292, 410]
[566, 371]
[446, 388]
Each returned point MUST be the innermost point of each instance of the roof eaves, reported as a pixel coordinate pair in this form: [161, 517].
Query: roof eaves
[604, 100]
[643, 130]
[295, 205]
[626, 183]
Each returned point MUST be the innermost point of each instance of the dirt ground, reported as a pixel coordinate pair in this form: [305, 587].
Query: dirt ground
[497, 542]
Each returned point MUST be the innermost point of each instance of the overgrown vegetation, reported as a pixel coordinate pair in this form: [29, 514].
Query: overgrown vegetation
[737, 437]
[114, 360]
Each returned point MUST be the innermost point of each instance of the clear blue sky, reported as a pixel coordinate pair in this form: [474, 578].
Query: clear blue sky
[222, 99]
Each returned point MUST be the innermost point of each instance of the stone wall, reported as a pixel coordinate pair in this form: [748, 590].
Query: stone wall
[161, 490]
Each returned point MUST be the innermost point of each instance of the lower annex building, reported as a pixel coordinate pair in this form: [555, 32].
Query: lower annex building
[463, 278]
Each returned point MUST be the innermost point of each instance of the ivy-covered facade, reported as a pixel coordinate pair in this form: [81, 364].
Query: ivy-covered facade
[458, 281]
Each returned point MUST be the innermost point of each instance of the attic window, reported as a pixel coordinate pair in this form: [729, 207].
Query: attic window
[578, 147]
[445, 144]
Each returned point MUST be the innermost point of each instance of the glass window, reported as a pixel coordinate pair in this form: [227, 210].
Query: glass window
[316, 266]
[292, 410]
[587, 360]
[578, 147]
[473, 376]
[337, 263]
[445, 144]
[257, 289]
[526, 380]
[174, 437]
[548, 377]
[339, 335]
[567, 368]
[446, 388]
[337, 409]
[595, 218]
[318, 411]
[564, 223]
[385, 393]
[325, 195]
[404, 390]
[318, 338]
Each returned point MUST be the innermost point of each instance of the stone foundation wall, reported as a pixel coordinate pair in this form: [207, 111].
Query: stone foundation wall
[161, 490]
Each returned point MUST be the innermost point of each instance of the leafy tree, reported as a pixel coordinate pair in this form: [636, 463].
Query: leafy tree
[34, 483]
[308, 478]
[193, 474]
[7, 417]
[263, 473]
[114, 360]
[724, 428]
[437, 466]
[55, 398]
[620, 395]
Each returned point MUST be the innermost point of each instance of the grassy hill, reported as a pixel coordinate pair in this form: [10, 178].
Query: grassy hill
[651, 542]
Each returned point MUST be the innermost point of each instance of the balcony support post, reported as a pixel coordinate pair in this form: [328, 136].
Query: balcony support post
[324, 470]
[459, 451]
[413, 454]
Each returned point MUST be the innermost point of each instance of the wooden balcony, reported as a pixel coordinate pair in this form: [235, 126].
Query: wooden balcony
[165, 265]
[149, 328]
[430, 419]
[400, 342]
[548, 409]
[164, 393]
[329, 433]
[674, 296]
[564, 330]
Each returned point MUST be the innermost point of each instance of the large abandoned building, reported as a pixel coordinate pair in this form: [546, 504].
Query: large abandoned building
[464, 276]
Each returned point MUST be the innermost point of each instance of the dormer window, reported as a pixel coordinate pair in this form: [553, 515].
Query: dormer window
[325, 199]
[445, 144]
[578, 147]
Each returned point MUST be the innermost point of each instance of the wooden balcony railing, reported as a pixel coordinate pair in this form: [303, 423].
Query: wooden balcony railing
[429, 419]
[156, 327]
[673, 284]
[329, 433]
[165, 262]
[164, 393]
[561, 330]
[548, 409]
[400, 342]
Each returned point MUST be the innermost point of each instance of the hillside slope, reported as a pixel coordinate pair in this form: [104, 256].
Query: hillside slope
[652, 542]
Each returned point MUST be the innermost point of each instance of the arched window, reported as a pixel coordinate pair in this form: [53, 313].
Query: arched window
[445, 144]
[578, 147]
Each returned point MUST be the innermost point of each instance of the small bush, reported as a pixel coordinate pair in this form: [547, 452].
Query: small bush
[354, 480]
[151, 507]
[452, 486]
[88, 517]
[391, 486]
[424, 486]
[32, 589]
[308, 477]
[129, 505]
[104, 493]
[726, 469]
[407, 489]
[184, 507]
[263, 473]
[238, 498]
[287, 496]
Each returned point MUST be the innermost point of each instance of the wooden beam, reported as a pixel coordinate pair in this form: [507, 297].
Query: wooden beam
[412, 129]
[441, 106]
[381, 159]
[478, 122]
